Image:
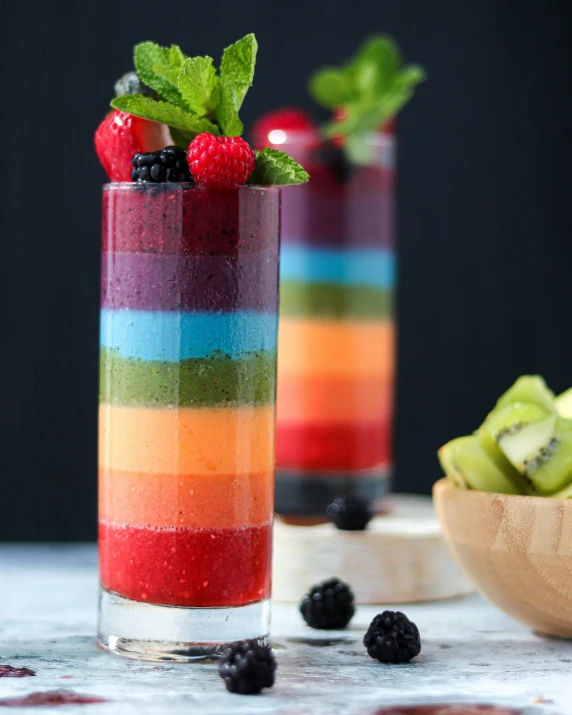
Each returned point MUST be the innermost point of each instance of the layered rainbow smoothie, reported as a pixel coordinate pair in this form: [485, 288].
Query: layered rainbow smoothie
[337, 335]
[188, 361]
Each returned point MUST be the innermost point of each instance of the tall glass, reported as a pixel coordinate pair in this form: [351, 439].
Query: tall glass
[186, 421]
[337, 331]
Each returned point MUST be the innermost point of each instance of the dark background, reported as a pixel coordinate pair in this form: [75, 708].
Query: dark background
[485, 227]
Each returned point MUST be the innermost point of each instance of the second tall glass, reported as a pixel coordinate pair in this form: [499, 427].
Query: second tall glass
[337, 332]
[186, 455]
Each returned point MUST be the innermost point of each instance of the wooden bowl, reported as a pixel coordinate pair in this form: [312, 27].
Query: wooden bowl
[516, 550]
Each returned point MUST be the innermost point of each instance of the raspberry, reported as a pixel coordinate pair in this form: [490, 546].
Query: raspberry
[248, 666]
[220, 161]
[288, 119]
[121, 135]
[392, 638]
[328, 605]
[349, 513]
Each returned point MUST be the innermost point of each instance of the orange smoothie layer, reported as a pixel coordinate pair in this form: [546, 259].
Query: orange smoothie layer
[218, 501]
[336, 348]
[209, 441]
[330, 400]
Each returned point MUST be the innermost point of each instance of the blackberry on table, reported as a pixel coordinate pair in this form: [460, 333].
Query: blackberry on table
[248, 666]
[168, 164]
[349, 513]
[392, 638]
[328, 605]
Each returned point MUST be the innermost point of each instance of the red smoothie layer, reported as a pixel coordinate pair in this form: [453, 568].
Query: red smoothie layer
[355, 445]
[190, 221]
[186, 566]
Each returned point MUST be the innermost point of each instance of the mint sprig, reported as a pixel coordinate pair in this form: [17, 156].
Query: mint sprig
[371, 88]
[276, 168]
[193, 97]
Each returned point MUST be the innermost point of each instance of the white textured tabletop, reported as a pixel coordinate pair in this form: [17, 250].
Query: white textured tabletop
[471, 653]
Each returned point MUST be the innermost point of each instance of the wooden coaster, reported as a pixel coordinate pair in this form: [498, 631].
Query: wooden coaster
[400, 558]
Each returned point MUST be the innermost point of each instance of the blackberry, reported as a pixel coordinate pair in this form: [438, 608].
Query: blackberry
[392, 638]
[329, 605]
[168, 164]
[349, 513]
[334, 157]
[247, 666]
[130, 83]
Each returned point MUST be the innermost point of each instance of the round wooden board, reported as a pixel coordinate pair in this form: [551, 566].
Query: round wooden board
[400, 558]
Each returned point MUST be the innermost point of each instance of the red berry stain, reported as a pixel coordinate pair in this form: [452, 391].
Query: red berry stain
[8, 671]
[459, 709]
[51, 697]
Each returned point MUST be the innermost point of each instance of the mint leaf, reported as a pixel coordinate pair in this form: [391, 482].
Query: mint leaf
[170, 71]
[147, 56]
[237, 67]
[331, 87]
[384, 54]
[227, 116]
[199, 85]
[409, 77]
[176, 56]
[164, 112]
[274, 168]
[236, 75]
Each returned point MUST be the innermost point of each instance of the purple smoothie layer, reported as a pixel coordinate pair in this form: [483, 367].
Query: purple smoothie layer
[356, 214]
[166, 282]
[189, 221]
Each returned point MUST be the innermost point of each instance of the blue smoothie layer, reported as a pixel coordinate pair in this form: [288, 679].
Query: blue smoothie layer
[360, 267]
[171, 337]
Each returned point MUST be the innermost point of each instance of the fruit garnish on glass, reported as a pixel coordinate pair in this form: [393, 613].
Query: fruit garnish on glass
[363, 96]
[174, 104]
[524, 446]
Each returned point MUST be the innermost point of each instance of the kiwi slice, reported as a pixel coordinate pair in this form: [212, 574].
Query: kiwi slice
[565, 493]
[466, 465]
[542, 452]
[490, 447]
[564, 404]
[528, 389]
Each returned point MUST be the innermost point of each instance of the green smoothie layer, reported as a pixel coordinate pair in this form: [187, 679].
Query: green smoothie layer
[327, 300]
[197, 382]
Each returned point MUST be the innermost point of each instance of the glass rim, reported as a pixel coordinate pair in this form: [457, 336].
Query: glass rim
[187, 185]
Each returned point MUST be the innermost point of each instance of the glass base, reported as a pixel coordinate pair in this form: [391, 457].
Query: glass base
[307, 493]
[159, 633]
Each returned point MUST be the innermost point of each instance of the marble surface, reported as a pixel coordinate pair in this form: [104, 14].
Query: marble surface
[471, 653]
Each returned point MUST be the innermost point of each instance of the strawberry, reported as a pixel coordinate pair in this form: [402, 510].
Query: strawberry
[120, 136]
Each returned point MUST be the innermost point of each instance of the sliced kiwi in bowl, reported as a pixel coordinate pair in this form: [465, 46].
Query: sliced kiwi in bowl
[468, 466]
[523, 447]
